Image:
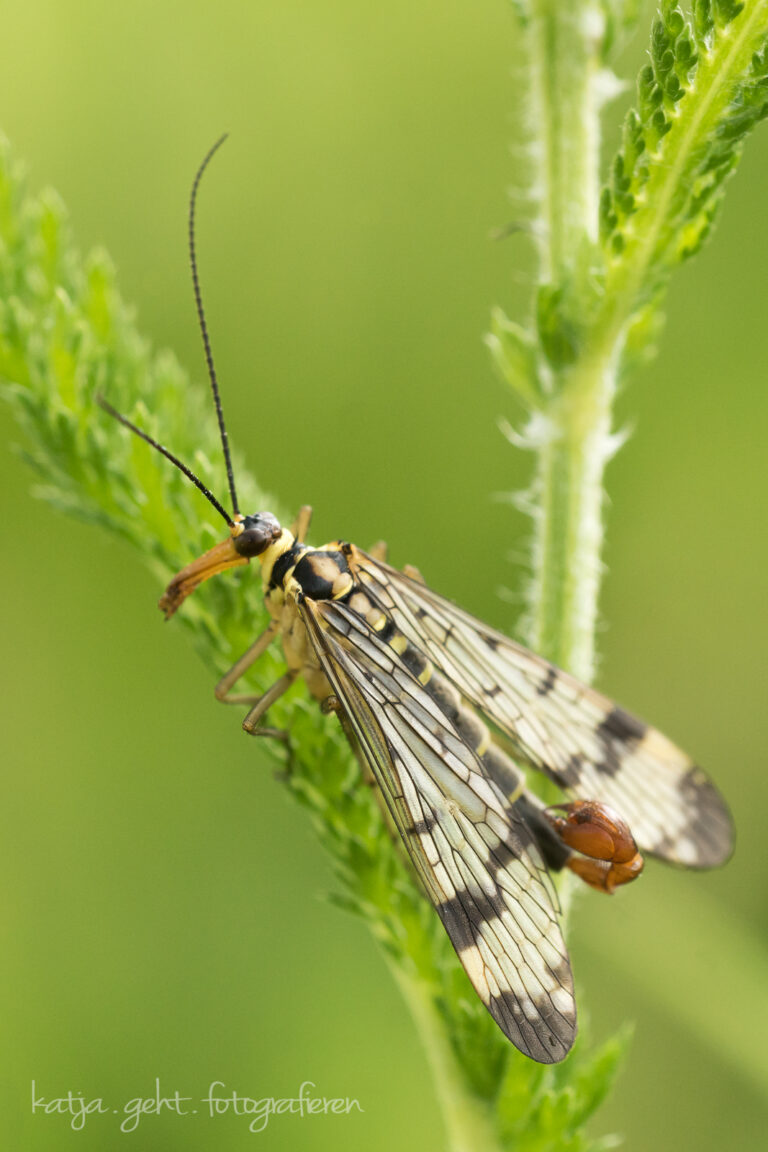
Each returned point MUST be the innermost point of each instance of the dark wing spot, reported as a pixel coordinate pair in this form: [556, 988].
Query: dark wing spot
[618, 731]
[710, 822]
[548, 682]
[570, 775]
[621, 725]
[425, 826]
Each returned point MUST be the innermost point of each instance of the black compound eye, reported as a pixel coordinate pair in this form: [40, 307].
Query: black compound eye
[258, 533]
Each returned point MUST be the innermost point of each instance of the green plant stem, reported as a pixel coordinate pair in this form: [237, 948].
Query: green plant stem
[573, 435]
[568, 523]
[468, 1122]
[573, 431]
[564, 67]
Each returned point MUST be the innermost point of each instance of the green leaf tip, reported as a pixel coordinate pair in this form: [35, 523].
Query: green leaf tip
[513, 351]
[702, 93]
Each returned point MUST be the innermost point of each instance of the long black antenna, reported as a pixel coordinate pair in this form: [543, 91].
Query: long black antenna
[203, 326]
[168, 455]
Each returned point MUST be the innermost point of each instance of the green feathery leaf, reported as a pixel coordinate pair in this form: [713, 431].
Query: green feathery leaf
[704, 90]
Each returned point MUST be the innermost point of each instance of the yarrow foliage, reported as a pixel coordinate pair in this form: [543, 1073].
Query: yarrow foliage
[704, 89]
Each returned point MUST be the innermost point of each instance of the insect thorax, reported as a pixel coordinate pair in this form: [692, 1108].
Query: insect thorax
[291, 570]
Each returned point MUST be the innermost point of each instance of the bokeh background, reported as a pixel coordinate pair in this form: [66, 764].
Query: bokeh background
[164, 912]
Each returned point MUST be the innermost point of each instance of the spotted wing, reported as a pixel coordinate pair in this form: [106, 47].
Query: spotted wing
[581, 740]
[477, 859]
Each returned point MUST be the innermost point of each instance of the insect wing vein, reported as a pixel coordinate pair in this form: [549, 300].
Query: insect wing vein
[479, 863]
[589, 746]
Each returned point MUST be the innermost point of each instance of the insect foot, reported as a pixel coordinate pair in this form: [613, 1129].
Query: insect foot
[608, 855]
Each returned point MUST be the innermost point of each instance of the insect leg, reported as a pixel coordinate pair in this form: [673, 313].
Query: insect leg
[379, 551]
[412, 572]
[230, 678]
[300, 526]
[263, 703]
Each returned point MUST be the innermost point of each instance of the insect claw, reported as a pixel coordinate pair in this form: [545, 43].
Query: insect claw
[270, 733]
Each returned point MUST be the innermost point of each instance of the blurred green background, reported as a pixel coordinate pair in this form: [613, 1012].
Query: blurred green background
[163, 913]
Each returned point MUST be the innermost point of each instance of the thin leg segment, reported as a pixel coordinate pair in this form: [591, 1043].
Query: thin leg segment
[265, 702]
[257, 649]
[301, 524]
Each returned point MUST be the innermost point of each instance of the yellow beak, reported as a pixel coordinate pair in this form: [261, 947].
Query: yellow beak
[216, 559]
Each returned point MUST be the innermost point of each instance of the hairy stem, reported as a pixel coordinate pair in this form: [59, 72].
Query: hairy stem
[595, 298]
[563, 73]
[568, 524]
[573, 426]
